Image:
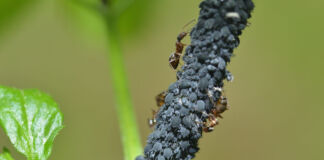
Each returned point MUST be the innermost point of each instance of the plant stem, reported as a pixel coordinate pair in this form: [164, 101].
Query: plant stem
[125, 112]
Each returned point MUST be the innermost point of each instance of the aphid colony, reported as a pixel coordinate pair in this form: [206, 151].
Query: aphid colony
[195, 102]
[219, 106]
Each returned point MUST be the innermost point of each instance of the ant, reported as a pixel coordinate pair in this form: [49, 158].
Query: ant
[174, 58]
[159, 102]
[209, 125]
[152, 121]
[221, 105]
[160, 98]
[218, 108]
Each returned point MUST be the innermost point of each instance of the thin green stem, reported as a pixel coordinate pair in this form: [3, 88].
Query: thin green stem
[125, 112]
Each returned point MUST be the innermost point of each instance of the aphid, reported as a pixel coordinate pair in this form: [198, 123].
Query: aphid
[174, 58]
[160, 99]
[152, 121]
[211, 93]
[232, 15]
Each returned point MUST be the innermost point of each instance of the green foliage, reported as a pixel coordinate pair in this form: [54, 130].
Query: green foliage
[9, 9]
[31, 120]
[87, 18]
[5, 155]
[111, 21]
[127, 122]
[134, 17]
[91, 16]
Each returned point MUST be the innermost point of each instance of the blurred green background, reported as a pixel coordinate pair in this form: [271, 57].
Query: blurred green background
[276, 108]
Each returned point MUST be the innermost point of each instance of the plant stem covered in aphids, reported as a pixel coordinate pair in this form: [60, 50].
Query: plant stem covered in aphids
[189, 100]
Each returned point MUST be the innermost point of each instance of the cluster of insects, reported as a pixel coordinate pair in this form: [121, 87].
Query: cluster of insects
[174, 61]
[219, 106]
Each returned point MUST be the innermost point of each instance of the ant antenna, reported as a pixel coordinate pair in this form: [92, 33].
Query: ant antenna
[189, 23]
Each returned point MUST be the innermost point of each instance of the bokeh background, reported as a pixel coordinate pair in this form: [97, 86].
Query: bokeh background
[276, 98]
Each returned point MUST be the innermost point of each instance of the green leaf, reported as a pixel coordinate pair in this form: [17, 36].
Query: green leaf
[5, 155]
[31, 120]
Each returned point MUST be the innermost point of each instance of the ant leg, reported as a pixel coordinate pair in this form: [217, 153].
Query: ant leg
[208, 129]
[205, 127]
[151, 122]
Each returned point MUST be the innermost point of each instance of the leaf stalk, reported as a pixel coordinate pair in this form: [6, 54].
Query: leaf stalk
[125, 112]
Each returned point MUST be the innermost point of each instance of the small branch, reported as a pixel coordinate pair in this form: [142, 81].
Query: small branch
[125, 112]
